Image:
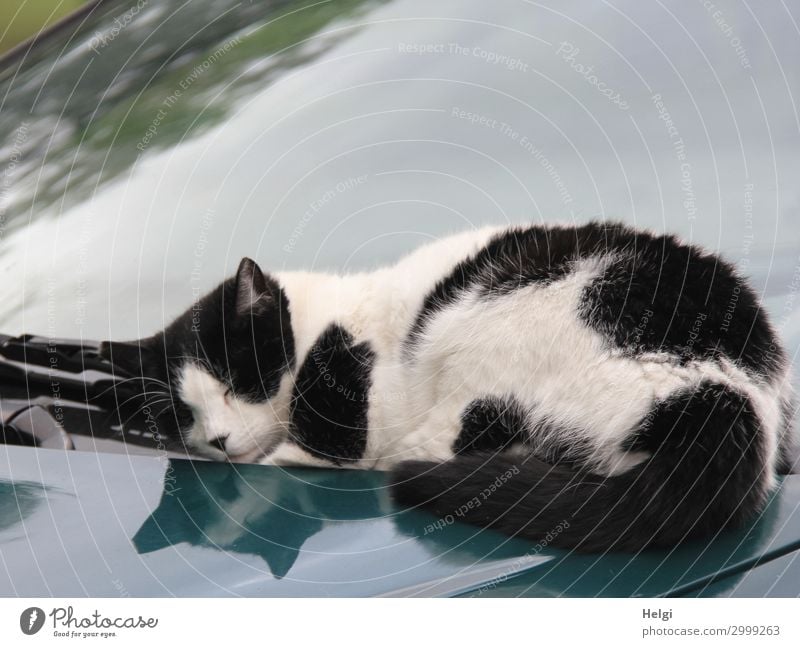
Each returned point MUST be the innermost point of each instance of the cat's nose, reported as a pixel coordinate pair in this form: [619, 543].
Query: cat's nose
[218, 443]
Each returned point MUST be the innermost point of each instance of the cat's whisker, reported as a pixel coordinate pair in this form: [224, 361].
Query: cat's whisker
[154, 394]
[199, 344]
[127, 380]
[133, 397]
[170, 405]
[140, 411]
[187, 358]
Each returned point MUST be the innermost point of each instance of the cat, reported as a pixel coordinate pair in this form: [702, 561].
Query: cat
[624, 382]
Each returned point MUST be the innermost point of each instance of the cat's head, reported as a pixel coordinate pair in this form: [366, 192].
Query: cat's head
[221, 372]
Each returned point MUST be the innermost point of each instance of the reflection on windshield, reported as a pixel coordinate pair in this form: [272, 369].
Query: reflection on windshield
[138, 78]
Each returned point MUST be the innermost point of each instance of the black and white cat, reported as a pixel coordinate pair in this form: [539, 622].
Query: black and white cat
[622, 381]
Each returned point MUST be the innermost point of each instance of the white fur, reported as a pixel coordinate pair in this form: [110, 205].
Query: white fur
[250, 429]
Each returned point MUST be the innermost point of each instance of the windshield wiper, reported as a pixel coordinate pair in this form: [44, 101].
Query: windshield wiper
[60, 393]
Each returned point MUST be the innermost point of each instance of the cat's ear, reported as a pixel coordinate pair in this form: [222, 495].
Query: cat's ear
[253, 296]
[132, 357]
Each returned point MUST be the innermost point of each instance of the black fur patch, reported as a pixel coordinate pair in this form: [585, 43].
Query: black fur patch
[248, 351]
[660, 295]
[490, 424]
[688, 419]
[493, 424]
[329, 409]
[657, 295]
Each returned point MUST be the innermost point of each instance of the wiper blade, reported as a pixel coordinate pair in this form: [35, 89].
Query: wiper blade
[54, 390]
[74, 368]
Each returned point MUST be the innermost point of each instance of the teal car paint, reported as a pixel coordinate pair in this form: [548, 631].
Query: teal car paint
[78, 523]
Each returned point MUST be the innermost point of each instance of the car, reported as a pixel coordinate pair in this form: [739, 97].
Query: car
[149, 146]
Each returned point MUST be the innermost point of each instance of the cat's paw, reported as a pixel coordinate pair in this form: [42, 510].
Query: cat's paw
[290, 455]
[428, 449]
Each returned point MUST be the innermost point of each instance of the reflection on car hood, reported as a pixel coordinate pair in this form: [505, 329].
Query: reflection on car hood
[106, 525]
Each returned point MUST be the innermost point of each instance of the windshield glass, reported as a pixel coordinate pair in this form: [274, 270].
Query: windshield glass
[149, 146]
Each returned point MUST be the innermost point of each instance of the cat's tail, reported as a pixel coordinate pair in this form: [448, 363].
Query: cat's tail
[709, 467]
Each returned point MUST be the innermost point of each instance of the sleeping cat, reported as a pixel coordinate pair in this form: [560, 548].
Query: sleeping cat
[517, 377]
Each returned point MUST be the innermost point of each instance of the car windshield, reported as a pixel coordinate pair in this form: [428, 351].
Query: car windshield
[148, 146]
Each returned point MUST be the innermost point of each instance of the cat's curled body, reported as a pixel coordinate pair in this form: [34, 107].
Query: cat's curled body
[622, 381]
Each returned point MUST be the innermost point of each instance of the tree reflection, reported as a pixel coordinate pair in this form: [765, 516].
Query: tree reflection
[136, 77]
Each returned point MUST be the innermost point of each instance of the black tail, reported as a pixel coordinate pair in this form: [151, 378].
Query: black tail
[706, 471]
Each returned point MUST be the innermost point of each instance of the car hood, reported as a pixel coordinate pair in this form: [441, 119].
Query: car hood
[77, 523]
